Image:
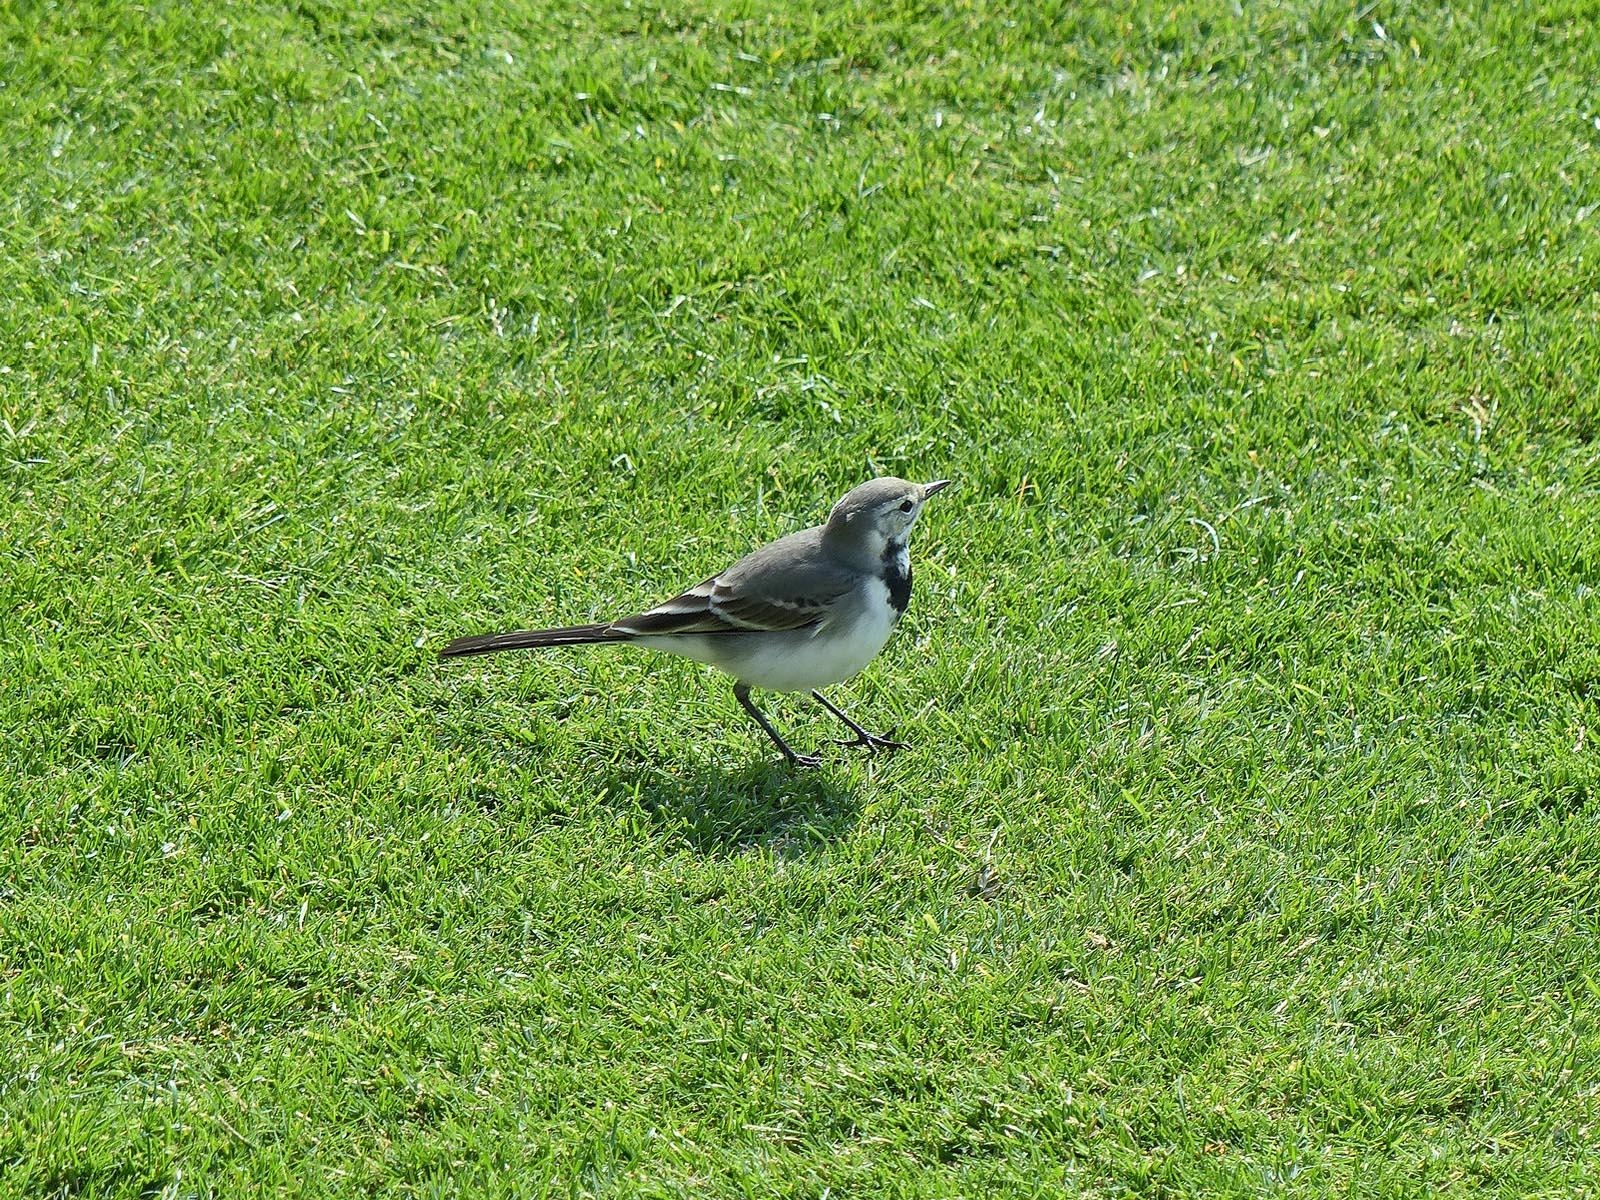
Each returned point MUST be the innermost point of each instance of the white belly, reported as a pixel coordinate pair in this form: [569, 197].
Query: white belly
[796, 661]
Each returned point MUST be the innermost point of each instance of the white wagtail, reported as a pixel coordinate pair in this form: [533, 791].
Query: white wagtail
[805, 611]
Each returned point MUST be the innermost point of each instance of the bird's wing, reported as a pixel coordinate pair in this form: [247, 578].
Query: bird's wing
[787, 585]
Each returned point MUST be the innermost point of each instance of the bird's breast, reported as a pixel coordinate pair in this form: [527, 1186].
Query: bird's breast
[802, 659]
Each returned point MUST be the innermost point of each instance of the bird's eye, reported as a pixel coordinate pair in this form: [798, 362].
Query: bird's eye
[907, 505]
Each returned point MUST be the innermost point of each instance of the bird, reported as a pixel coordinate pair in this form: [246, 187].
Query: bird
[801, 613]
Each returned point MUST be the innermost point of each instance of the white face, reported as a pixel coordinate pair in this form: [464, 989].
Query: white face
[893, 520]
[879, 514]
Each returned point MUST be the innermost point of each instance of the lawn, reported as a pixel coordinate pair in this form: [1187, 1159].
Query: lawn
[1248, 845]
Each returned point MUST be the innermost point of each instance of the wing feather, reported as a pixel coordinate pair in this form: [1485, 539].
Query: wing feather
[788, 585]
[748, 610]
[687, 612]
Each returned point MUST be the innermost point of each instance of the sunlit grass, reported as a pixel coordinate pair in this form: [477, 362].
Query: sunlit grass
[1248, 842]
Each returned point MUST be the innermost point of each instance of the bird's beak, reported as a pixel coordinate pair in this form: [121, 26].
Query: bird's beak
[929, 489]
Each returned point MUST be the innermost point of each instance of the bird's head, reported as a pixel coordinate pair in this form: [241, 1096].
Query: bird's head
[876, 518]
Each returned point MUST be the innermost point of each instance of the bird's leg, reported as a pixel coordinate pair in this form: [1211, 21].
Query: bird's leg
[870, 741]
[741, 693]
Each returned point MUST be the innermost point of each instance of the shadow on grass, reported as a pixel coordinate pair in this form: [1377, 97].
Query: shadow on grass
[717, 810]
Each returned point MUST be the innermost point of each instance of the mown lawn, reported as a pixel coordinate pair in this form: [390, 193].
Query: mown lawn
[1249, 842]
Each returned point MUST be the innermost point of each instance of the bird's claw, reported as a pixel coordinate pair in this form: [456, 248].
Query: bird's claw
[805, 762]
[872, 742]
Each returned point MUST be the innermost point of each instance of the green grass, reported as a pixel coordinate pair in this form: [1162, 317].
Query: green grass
[1249, 843]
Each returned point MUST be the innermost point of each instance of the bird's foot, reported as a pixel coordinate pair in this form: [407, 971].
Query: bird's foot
[804, 762]
[872, 742]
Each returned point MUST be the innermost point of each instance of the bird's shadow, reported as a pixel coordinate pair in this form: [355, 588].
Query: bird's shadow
[711, 807]
[719, 810]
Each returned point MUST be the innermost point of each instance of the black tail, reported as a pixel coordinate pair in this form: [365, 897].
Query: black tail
[527, 639]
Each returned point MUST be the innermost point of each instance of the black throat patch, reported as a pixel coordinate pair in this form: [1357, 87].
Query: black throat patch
[897, 575]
